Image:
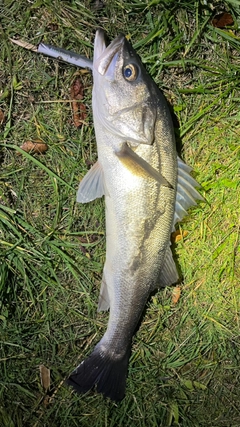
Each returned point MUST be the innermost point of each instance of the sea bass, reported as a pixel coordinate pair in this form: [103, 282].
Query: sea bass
[147, 189]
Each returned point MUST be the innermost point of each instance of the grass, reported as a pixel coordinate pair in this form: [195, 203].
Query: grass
[184, 368]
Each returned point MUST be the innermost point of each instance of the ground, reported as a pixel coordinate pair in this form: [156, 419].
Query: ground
[184, 367]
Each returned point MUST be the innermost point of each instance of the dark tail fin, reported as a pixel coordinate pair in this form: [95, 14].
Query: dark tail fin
[107, 373]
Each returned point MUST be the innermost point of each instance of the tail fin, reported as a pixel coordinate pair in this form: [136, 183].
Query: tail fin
[101, 369]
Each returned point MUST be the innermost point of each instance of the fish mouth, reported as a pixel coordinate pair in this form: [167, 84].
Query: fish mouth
[105, 57]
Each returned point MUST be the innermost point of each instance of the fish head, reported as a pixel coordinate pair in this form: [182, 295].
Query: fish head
[124, 95]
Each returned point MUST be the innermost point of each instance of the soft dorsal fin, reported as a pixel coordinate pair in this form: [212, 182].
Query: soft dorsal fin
[168, 275]
[138, 166]
[92, 185]
[186, 192]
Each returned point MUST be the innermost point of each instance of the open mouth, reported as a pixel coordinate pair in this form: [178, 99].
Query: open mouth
[105, 57]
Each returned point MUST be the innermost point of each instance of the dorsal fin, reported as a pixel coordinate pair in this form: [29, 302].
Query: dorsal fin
[168, 273]
[186, 195]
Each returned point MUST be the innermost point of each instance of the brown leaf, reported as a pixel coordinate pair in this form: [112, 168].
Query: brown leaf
[52, 26]
[24, 44]
[91, 238]
[36, 146]
[77, 89]
[2, 117]
[46, 400]
[222, 20]
[45, 377]
[178, 235]
[78, 108]
[176, 294]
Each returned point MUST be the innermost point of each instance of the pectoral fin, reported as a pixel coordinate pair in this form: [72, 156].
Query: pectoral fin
[92, 185]
[139, 166]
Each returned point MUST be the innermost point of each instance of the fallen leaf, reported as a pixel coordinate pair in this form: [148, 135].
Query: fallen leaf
[45, 377]
[78, 108]
[46, 400]
[176, 294]
[222, 20]
[24, 44]
[178, 235]
[2, 117]
[36, 146]
[77, 89]
[52, 26]
[92, 238]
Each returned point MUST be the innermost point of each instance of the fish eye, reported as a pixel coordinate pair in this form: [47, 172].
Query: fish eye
[130, 72]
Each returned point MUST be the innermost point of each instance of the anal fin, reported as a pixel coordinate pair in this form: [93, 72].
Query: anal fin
[104, 300]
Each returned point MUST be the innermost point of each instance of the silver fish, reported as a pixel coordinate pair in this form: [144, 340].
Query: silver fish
[147, 189]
